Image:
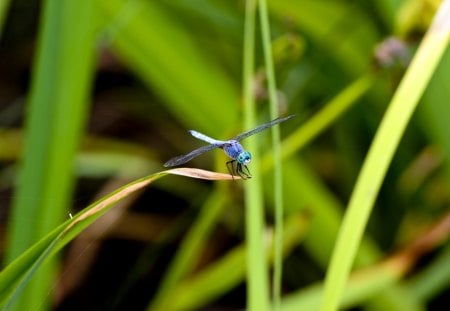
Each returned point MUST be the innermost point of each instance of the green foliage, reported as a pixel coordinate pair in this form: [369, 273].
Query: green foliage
[57, 110]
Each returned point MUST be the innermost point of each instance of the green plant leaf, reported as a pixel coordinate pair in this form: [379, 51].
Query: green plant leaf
[19, 272]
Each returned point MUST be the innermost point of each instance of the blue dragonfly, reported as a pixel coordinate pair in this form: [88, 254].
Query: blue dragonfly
[231, 147]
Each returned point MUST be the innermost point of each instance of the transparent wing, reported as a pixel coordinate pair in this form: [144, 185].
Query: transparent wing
[187, 157]
[262, 127]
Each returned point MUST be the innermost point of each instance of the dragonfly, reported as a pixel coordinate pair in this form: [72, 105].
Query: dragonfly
[231, 147]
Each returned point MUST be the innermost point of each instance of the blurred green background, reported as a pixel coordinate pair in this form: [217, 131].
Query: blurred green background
[94, 94]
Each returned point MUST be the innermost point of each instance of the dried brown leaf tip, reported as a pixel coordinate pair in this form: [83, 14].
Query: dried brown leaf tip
[201, 174]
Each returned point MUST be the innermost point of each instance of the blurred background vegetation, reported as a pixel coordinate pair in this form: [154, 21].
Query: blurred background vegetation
[94, 94]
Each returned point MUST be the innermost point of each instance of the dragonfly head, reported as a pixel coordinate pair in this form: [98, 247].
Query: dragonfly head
[244, 158]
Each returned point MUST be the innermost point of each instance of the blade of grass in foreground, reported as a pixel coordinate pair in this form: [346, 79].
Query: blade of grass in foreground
[278, 177]
[56, 113]
[257, 280]
[17, 274]
[381, 152]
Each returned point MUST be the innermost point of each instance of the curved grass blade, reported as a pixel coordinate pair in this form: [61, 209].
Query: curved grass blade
[17, 274]
[381, 153]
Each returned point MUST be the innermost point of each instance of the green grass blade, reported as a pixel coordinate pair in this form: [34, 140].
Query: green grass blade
[19, 272]
[257, 281]
[56, 115]
[381, 152]
[278, 177]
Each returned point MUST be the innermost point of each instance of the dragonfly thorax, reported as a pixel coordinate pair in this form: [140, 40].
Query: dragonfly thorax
[244, 158]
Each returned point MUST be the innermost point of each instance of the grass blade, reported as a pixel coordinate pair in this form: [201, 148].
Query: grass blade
[19, 272]
[381, 152]
[56, 114]
[278, 177]
[257, 282]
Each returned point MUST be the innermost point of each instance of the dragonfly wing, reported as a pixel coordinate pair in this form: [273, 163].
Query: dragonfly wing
[262, 127]
[187, 157]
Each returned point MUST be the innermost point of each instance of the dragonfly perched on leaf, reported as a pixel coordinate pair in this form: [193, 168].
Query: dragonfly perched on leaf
[231, 147]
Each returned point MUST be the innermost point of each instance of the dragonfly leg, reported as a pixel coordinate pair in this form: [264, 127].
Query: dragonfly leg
[249, 175]
[230, 168]
[241, 172]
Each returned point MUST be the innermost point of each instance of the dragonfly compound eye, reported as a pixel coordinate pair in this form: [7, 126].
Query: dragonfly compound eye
[244, 158]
